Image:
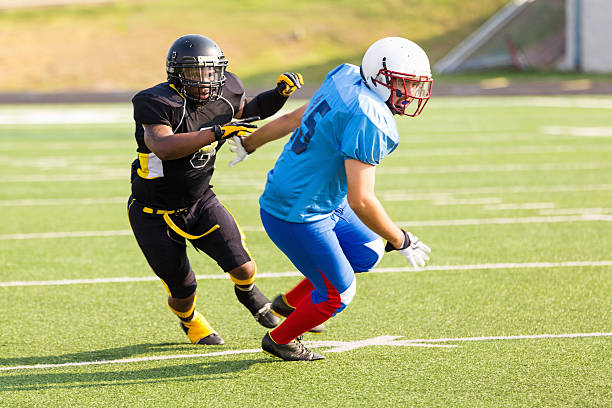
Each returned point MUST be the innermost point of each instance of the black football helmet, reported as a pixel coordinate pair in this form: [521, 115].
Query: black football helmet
[196, 67]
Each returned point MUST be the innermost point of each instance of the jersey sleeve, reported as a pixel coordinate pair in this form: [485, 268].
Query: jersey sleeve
[149, 110]
[364, 141]
[233, 91]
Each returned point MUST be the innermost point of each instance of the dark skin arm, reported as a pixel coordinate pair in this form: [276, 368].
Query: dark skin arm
[169, 146]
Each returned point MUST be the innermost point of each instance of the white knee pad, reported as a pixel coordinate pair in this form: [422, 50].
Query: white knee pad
[378, 247]
[347, 296]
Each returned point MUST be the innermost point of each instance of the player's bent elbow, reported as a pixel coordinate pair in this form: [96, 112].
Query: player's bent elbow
[358, 203]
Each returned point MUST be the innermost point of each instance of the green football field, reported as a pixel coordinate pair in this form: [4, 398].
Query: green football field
[513, 195]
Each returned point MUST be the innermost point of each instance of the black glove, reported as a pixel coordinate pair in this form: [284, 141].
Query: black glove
[288, 82]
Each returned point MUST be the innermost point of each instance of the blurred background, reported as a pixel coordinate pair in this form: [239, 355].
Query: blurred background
[91, 50]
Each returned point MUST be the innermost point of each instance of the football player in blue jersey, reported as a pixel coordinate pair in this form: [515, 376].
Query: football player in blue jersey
[319, 205]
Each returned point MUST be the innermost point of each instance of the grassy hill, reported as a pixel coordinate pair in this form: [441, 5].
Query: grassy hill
[122, 45]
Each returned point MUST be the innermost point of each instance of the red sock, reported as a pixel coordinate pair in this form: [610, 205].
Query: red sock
[299, 292]
[304, 317]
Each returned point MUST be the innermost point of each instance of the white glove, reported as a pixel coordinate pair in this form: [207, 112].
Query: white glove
[237, 147]
[412, 249]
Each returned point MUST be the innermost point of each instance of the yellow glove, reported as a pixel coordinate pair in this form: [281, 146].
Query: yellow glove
[242, 127]
[288, 82]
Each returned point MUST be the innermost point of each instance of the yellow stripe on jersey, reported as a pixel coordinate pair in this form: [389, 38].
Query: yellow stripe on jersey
[150, 166]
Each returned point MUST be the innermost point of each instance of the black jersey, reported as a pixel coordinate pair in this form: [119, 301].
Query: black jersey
[174, 184]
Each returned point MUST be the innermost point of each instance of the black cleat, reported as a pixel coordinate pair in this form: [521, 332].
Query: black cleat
[259, 306]
[212, 339]
[293, 351]
[282, 309]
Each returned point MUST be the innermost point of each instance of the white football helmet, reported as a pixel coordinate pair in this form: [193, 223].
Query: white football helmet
[398, 71]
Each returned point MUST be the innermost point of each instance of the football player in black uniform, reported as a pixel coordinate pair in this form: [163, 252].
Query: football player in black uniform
[180, 125]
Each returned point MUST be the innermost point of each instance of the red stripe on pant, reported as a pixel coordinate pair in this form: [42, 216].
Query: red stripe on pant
[307, 315]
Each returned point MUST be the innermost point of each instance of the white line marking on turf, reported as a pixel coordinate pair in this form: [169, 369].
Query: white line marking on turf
[118, 174]
[578, 131]
[566, 211]
[489, 266]
[488, 168]
[517, 220]
[521, 337]
[68, 234]
[543, 102]
[481, 151]
[336, 347]
[440, 197]
[401, 195]
[519, 206]
[63, 201]
[61, 116]
[415, 223]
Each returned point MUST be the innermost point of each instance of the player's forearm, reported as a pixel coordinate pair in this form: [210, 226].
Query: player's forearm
[175, 146]
[372, 213]
[274, 130]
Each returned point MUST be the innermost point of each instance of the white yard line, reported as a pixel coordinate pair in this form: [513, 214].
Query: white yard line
[480, 151]
[68, 234]
[578, 131]
[121, 173]
[487, 168]
[443, 197]
[519, 206]
[402, 195]
[520, 337]
[566, 211]
[494, 266]
[63, 201]
[516, 220]
[334, 347]
[412, 223]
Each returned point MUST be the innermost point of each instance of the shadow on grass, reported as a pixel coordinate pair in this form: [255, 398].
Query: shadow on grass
[35, 380]
[192, 372]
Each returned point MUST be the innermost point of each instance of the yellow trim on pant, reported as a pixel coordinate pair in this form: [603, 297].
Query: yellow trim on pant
[242, 234]
[130, 205]
[243, 281]
[184, 234]
[166, 287]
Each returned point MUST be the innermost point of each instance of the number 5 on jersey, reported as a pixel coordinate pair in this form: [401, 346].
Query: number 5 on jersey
[300, 139]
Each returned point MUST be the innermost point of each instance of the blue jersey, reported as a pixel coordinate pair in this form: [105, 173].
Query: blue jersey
[344, 120]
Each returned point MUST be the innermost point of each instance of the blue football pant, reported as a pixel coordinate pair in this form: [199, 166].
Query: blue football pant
[328, 252]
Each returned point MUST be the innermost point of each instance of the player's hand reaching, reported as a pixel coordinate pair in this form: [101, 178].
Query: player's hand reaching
[241, 127]
[412, 249]
[288, 82]
[237, 146]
